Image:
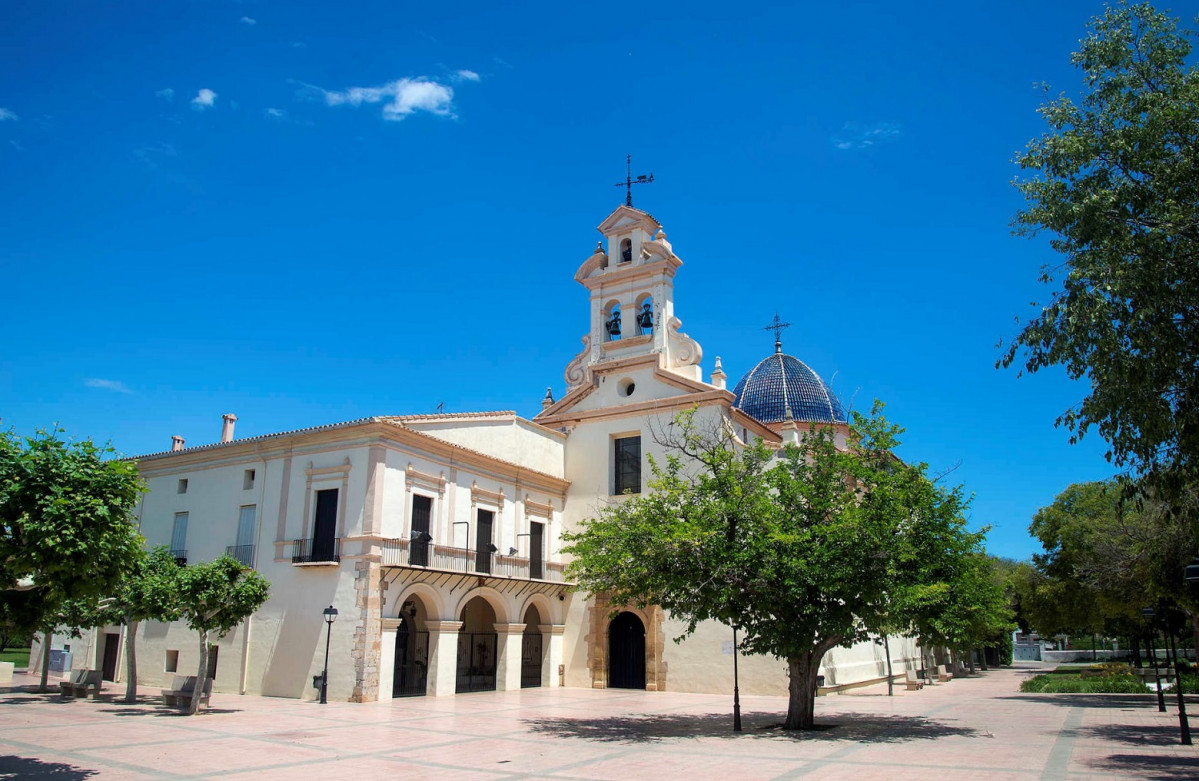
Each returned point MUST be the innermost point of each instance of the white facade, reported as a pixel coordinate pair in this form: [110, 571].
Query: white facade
[437, 537]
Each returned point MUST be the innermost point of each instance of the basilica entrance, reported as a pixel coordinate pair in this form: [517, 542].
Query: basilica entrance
[626, 652]
[410, 677]
[477, 643]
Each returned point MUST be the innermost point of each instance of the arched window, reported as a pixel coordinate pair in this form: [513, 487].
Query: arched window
[626, 250]
[645, 317]
[612, 323]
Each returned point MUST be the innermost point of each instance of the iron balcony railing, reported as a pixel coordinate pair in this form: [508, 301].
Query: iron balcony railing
[404, 553]
[243, 553]
[180, 556]
[323, 551]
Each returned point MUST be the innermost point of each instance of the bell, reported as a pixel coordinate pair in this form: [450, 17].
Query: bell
[645, 318]
[613, 325]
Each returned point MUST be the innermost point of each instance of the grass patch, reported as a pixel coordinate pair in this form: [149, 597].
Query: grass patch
[18, 656]
[1111, 678]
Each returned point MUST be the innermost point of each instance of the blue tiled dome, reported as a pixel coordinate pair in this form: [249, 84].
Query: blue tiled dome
[779, 381]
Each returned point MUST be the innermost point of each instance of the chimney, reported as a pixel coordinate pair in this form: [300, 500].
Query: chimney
[176, 443]
[227, 427]
[548, 401]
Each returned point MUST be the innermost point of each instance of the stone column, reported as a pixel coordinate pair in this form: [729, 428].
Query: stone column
[368, 632]
[507, 666]
[551, 659]
[443, 657]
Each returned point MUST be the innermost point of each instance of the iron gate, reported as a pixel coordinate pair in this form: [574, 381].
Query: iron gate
[411, 670]
[476, 662]
[530, 661]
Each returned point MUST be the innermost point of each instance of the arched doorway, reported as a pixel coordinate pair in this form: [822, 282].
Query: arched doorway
[476, 648]
[532, 650]
[411, 668]
[626, 652]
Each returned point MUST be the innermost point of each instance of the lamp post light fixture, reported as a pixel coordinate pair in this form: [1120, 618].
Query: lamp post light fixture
[330, 614]
[736, 687]
[1190, 574]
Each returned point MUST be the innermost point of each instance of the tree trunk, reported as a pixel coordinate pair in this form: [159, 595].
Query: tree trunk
[44, 686]
[130, 661]
[801, 708]
[887, 650]
[970, 660]
[982, 659]
[1195, 635]
[1136, 651]
[201, 675]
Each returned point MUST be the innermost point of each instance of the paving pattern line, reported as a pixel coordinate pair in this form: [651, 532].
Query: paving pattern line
[1058, 763]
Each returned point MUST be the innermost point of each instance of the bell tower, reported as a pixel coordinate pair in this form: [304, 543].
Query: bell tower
[631, 287]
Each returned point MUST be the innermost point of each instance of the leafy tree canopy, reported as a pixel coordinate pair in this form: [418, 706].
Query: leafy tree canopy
[798, 549]
[1115, 181]
[65, 527]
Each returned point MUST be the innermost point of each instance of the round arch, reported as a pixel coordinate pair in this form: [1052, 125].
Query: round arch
[550, 613]
[499, 605]
[433, 603]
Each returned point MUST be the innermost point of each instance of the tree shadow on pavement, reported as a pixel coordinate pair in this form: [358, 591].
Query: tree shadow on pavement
[657, 727]
[28, 767]
[162, 711]
[1134, 735]
[1157, 767]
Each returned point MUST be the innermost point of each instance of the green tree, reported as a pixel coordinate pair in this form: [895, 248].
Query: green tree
[65, 529]
[1115, 181]
[147, 593]
[213, 597]
[795, 548]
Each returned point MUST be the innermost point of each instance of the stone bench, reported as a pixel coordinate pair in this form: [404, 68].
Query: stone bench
[82, 683]
[180, 693]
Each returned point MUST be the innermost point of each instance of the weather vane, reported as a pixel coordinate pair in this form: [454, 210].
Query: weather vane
[777, 326]
[629, 181]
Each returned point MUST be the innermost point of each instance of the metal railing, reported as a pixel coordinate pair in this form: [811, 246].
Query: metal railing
[243, 553]
[403, 553]
[180, 557]
[324, 551]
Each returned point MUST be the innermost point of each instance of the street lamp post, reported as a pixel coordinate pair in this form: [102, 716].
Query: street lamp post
[330, 616]
[736, 687]
[1184, 727]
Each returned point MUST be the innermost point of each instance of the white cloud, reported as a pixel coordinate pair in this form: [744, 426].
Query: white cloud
[205, 98]
[400, 98]
[248, 20]
[165, 94]
[6, 114]
[112, 385]
[466, 75]
[277, 113]
[856, 135]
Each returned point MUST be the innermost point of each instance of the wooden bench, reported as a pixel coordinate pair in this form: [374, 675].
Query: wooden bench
[82, 683]
[180, 693]
[912, 682]
[943, 675]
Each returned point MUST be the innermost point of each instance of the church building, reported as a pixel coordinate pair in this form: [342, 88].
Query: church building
[437, 538]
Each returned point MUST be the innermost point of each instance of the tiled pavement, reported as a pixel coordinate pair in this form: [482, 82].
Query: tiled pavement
[977, 728]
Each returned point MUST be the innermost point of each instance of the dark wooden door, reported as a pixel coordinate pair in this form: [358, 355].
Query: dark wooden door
[626, 652]
[422, 510]
[411, 669]
[530, 660]
[483, 541]
[112, 644]
[537, 550]
[324, 530]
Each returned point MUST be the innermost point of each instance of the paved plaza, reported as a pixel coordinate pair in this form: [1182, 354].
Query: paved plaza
[977, 728]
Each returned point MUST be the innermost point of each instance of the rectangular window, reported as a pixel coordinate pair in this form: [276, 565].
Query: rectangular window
[483, 545]
[422, 512]
[179, 538]
[181, 488]
[247, 480]
[626, 465]
[172, 663]
[324, 527]
[537, 550]
[247, 529]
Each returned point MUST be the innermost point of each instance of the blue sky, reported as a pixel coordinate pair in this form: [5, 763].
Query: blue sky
[307, 212]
